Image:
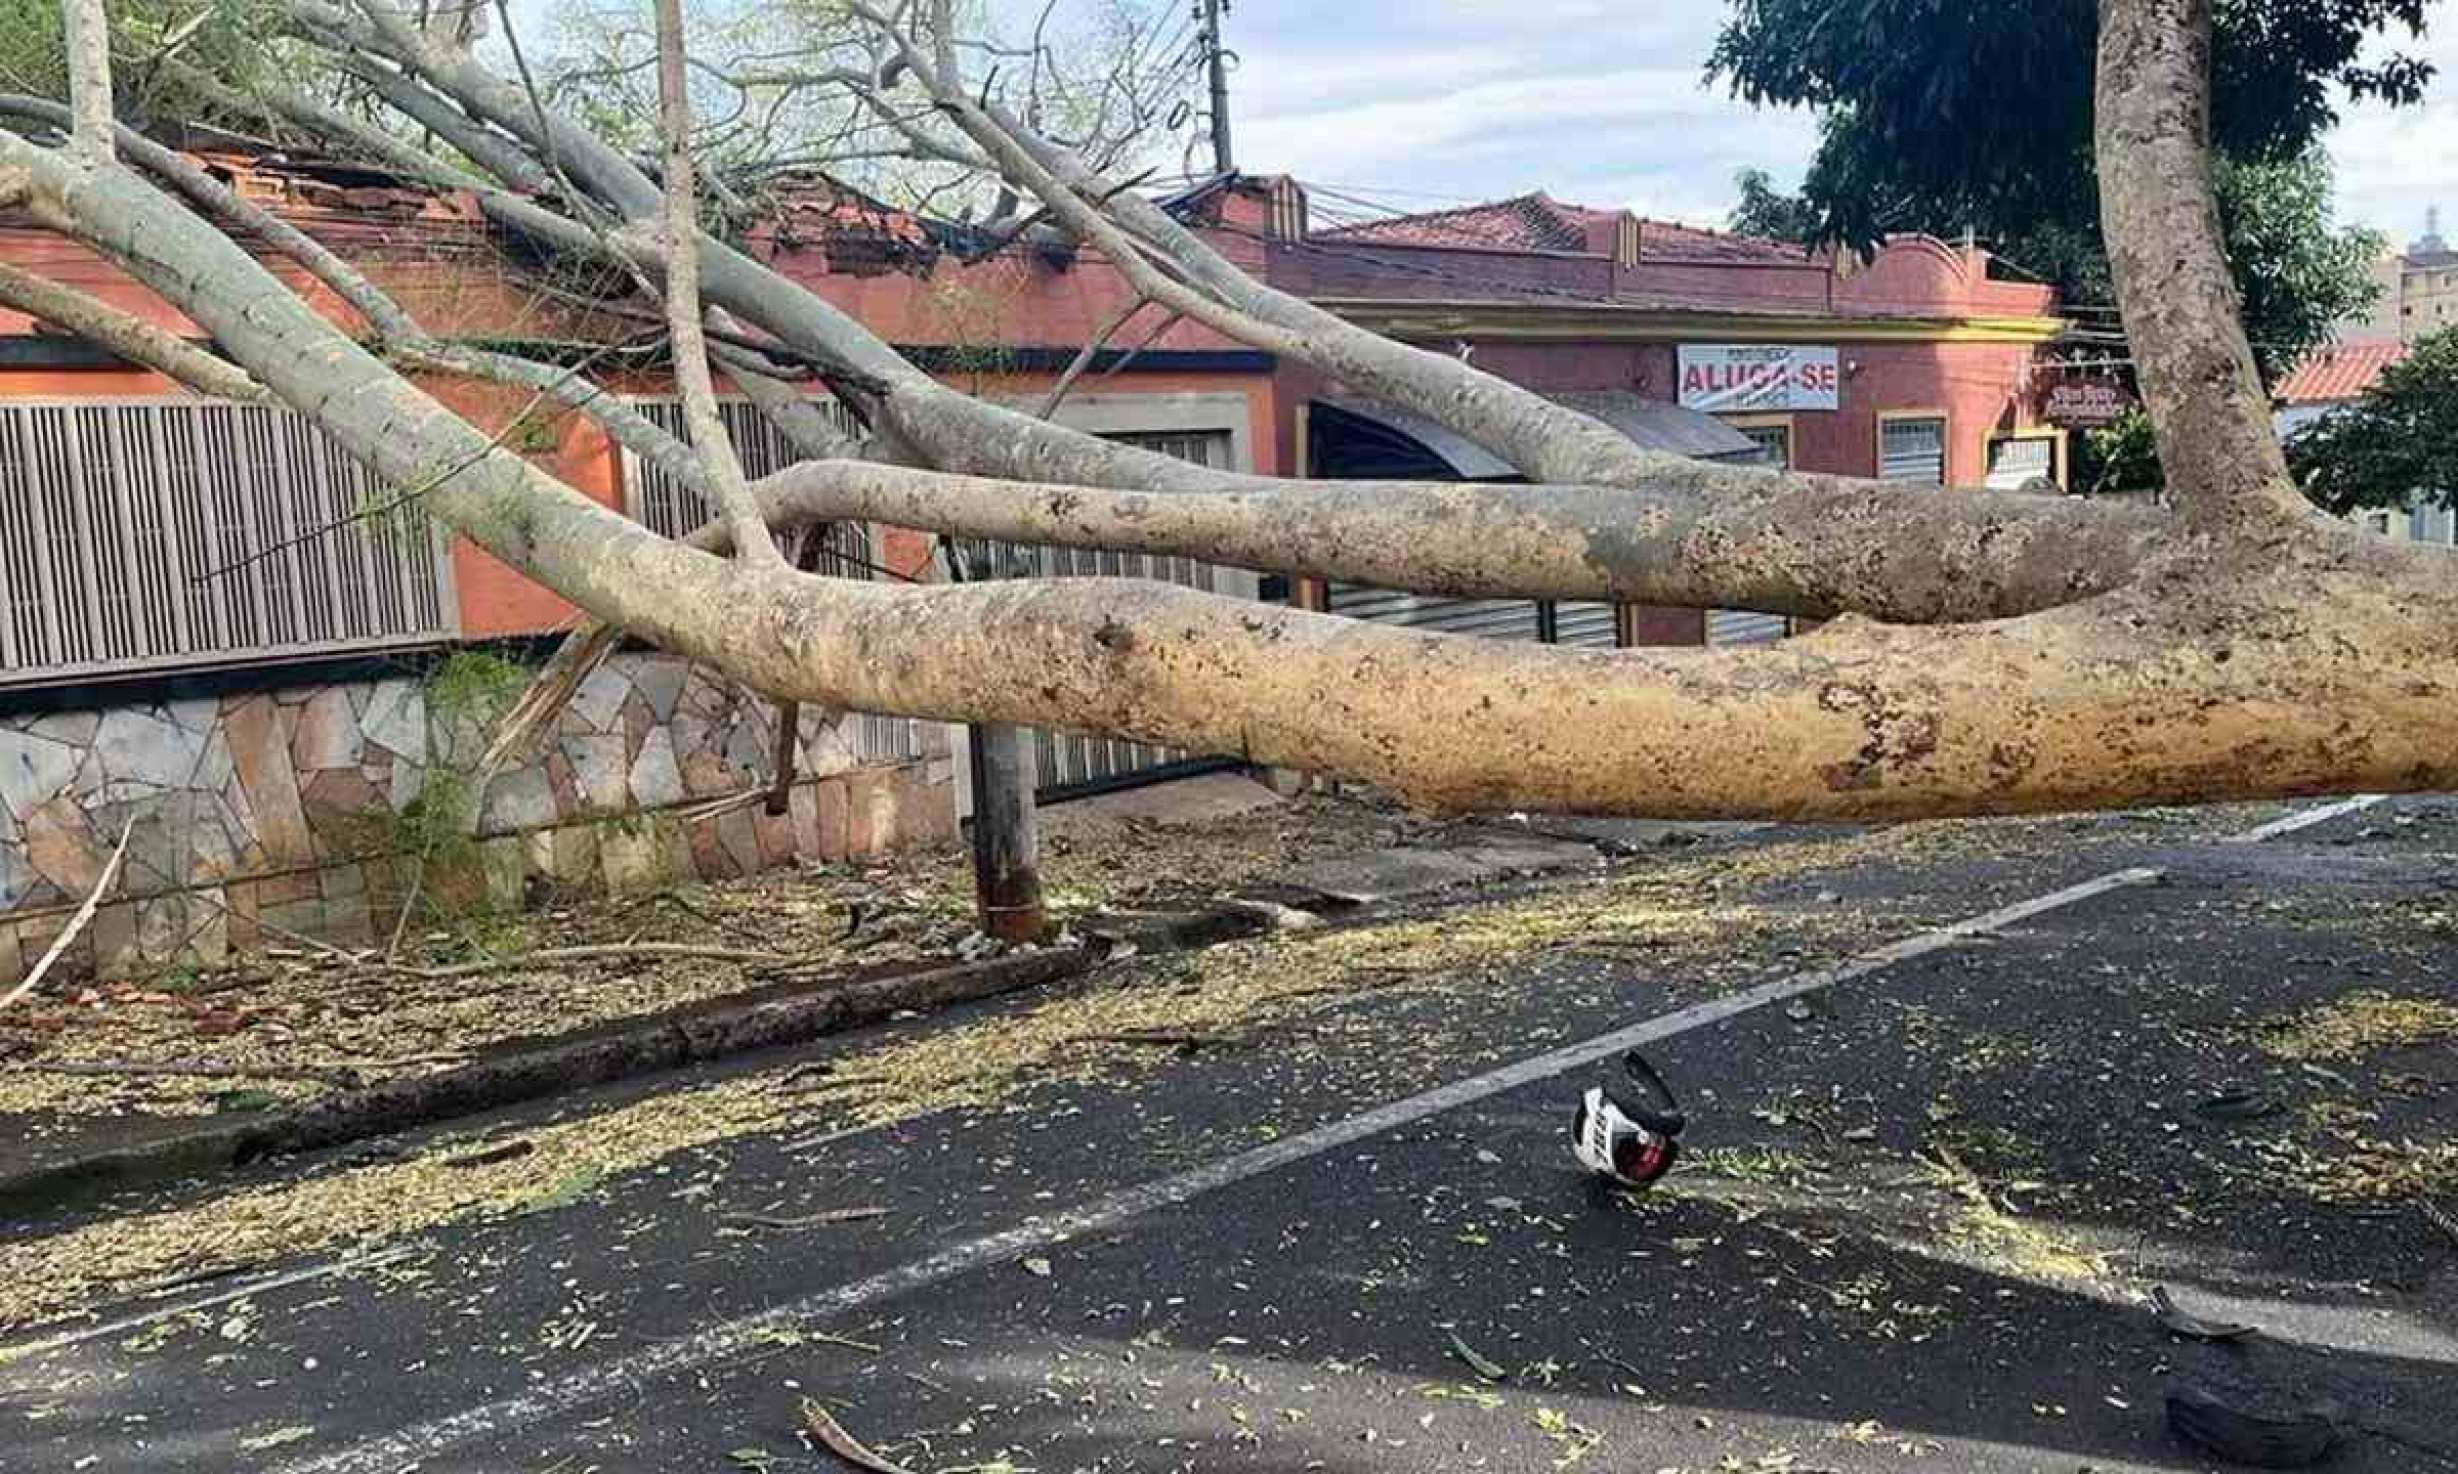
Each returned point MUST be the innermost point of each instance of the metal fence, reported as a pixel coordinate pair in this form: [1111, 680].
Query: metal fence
[1067, 763]
[144, 535]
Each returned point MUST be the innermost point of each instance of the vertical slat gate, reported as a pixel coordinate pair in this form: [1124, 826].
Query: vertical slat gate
[671, 509]
[1071, 762]
[166, 533]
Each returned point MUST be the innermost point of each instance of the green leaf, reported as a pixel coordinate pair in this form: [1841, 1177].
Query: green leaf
[1486, 1367]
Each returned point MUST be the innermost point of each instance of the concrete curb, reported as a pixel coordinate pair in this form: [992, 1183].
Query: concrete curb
[781, 1014]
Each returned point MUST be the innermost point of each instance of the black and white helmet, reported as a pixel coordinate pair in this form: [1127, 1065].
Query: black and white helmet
[1629, 1144]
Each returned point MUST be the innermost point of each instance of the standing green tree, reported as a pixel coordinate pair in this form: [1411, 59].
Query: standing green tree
[2396, 445]
[1955, 115]
[1768, 212]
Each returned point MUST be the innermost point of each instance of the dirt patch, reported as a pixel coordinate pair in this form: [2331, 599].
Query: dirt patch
[290, 1026]
[2356, 1025]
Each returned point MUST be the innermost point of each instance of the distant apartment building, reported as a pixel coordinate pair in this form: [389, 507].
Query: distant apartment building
[2419, 289]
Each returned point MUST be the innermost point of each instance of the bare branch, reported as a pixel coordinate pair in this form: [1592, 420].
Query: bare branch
[130, 337]
[1084, 357]
[732, 497]
[88, 28]
[958, 433]
[1543, 439]
[85, 912]
[1813, 546]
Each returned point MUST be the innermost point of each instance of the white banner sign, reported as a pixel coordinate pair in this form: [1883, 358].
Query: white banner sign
[1758, 376]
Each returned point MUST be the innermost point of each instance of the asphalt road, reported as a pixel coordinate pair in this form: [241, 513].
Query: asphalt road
[1922, 1208]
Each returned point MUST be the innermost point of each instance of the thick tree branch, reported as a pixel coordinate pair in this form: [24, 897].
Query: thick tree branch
[209, 194]
[481, 145]
[349, 135]
[1543, 439]
[132, 338]
[2061, 709]
[88, 35]
[2183, 316]
[1813, 546]
[956, 432]
[724, 473]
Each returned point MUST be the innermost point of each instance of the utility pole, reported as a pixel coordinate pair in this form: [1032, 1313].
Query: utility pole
[1208, 13]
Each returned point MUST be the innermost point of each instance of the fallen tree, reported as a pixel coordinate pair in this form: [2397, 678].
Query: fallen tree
[1989, 652]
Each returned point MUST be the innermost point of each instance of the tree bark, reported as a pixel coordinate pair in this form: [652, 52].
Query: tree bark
[1006, 835]
[731, 498]
[957, 433]
[87, 28]
[2264, 655]
[2183, 317]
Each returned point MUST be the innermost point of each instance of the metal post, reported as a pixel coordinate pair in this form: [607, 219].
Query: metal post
[1216, 59]
[1006, 840]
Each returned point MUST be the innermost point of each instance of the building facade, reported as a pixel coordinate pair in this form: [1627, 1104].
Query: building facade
[2417, 290]
[227, 652]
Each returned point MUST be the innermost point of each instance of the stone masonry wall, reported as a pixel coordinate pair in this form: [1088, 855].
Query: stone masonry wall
[251, 816]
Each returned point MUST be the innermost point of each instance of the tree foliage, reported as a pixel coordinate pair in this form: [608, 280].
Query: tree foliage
[2397, 444]
[2299, 274]
[236, 40]
[1770, 213]
[1982, 108]
[1955, 115]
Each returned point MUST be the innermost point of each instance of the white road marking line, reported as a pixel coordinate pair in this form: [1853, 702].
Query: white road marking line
[610, 1380]
[2306, 819]
[24, 1349]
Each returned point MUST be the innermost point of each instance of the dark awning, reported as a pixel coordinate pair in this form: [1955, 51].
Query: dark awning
[1352, 439]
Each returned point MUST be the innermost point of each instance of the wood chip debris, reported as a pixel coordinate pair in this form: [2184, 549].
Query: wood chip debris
[824, 1429]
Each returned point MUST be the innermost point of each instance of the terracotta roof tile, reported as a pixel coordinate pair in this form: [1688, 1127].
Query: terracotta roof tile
[2336, 372]
[1528, 222]
[1537, 222]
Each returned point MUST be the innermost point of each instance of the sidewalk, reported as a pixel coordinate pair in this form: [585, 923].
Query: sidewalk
[122, 1083]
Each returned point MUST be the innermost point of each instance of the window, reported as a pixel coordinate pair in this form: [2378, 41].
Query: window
[148, 535]
[671, 509]
[2017, 462]
[1774, 437]
[1913, 449]
[675, 510]
[2377, 522]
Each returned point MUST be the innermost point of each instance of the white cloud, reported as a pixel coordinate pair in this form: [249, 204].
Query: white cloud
[1473, 100]
[1602, 102]
[2393, 162]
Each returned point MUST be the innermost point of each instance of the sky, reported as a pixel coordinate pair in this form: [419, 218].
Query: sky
[1419, 103]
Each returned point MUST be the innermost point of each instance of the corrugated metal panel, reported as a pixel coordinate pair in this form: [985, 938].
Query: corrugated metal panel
[1913, 450]
[1068, 760]
[1740, 627]
[1656, 425]
[155, 534]
[1498, 619]
[1585, 624]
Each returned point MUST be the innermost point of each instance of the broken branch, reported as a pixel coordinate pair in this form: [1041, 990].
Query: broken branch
[76, 923]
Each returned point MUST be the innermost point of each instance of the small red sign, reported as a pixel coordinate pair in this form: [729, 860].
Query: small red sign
[2086, 403]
